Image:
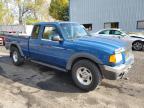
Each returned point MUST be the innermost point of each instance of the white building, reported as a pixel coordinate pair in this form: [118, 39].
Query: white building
[98, 14]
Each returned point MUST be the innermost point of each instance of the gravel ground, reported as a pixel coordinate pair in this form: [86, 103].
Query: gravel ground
[36, 86]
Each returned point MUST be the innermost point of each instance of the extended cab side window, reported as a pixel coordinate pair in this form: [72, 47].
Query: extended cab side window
[35, 31]
[50, 32]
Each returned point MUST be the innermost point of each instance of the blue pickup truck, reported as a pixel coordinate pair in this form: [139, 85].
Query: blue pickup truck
[68, 47]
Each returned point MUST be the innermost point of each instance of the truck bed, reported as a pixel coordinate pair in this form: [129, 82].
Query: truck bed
[21, 40]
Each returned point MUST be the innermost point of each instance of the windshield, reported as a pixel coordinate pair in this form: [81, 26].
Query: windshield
[73, 30]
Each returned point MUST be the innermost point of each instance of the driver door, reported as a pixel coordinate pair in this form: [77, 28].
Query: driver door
[52, 52]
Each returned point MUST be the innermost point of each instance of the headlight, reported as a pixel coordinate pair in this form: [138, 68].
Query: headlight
[115, 58]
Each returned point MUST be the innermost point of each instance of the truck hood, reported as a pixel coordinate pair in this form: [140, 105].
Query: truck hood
[102, 43]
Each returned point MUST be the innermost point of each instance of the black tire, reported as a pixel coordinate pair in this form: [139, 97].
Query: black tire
[95, 72]
[137, 46]
[20, 59]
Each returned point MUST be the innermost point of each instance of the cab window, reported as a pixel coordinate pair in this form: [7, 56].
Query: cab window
[50, 32]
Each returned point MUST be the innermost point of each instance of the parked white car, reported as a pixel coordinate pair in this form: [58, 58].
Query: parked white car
[136, 40]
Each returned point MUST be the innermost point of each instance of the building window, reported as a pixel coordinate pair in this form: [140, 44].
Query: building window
[140, 24]
[111, 25]
[88, 27]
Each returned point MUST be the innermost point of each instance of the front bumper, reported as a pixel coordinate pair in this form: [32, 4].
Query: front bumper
[120, 71]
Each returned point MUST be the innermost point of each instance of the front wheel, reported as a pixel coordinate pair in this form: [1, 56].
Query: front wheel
[138, 46]
[86, 75]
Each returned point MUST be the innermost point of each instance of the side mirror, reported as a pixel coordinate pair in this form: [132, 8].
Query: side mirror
[57, 38]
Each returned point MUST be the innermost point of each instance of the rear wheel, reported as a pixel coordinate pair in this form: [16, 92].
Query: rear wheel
[86, 75]
[16, 57]
[138, 46]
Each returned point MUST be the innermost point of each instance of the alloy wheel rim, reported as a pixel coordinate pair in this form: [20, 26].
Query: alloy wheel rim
[137, 46]
[84, 76]
[15, 56]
